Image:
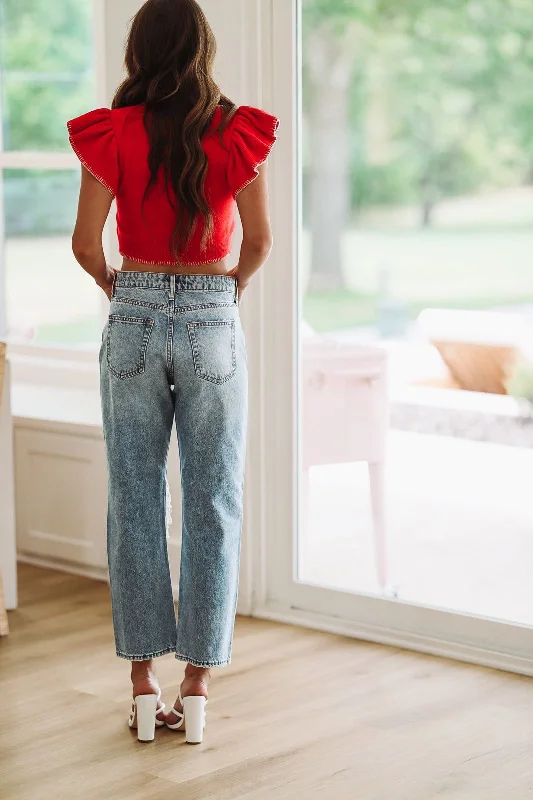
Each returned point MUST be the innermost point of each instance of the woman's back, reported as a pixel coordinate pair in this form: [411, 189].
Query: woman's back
[113, 145]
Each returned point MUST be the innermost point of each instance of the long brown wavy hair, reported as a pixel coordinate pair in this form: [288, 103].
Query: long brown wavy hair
[169, 58]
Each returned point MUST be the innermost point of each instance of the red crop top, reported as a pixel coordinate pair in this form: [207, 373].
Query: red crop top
[113, 145]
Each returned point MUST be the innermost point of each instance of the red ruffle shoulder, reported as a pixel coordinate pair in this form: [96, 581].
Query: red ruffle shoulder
[93, 139]
[113, 145]
[253, 133]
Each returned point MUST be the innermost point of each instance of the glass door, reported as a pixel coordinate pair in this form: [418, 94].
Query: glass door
[397, 457]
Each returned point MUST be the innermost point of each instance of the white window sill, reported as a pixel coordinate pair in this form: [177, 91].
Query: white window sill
[63, 392]
[57, 393]
[57, 408]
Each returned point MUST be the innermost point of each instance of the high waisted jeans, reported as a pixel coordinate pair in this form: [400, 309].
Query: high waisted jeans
[173, 348]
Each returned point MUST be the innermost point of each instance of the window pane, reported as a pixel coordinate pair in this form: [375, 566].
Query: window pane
[417, 246]
[50, 299]
[46, 60]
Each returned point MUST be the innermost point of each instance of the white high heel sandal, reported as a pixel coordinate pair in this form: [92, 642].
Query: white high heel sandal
[143, 715]
[193, 715]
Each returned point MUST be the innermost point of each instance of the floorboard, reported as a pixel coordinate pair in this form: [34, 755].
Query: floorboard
[298, 714]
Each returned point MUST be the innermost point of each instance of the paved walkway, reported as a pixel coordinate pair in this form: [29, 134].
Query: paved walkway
[460, 522]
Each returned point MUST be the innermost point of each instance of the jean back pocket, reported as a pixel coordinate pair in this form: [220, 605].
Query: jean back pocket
[213, 349]
[127, 342]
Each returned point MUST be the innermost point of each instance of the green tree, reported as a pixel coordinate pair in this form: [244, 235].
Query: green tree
[411, 101]
[47, 62]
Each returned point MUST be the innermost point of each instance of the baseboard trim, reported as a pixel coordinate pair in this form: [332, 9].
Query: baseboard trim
[422, 644]
[96, 573]
[378, 635]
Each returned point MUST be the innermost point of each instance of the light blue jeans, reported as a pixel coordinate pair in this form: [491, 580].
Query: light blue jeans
[173, 348]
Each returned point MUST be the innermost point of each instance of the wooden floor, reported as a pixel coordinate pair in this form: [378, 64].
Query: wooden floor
[298, 714]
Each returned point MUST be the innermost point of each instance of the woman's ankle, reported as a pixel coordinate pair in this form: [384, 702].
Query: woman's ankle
[197, 673]
[143, 676]
[196, 680]
[142, 668]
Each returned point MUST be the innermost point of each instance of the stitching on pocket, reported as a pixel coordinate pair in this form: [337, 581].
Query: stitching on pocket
[148, 324]
[133, 302]
[201, 306]
[200, 370]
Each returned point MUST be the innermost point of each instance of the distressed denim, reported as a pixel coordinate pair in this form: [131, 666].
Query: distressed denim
[173, 348]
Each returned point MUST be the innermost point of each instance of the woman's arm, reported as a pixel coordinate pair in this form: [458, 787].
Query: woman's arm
[252, 202]
[93, 207]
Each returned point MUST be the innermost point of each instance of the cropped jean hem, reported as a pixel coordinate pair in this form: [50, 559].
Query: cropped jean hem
[147, 656]
[223, 663]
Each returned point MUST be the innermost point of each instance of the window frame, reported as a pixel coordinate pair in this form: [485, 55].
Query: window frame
[43, 356]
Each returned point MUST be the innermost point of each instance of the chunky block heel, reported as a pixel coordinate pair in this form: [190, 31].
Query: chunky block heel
[192, 718]
[143, 716]
[194, 708]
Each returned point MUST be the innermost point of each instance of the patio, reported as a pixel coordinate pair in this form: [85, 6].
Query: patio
[460, 526]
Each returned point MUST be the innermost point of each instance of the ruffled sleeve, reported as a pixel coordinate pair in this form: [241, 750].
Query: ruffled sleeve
[93, 140]
[253, 133]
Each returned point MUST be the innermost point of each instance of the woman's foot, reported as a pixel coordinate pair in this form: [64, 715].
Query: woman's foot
[145, 682]
[195, 682]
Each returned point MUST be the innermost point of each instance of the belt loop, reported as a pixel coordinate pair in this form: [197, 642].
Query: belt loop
[114, 282]
[236, 294]
[172, 286]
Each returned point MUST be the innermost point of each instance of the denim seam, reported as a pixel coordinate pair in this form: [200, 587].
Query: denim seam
[219, 663]
[236, 599]
[133, 285]
[146, 656]
[170, 337]
[203, 306]
[148, 323]
[144, 303]
[190, 282]
[200, 371]
[177, 309]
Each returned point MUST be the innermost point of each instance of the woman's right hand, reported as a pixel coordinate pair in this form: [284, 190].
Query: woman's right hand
[241, 286]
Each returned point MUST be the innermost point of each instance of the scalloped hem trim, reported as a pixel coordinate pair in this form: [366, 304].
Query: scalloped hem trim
[85, 164]
[259, 163]
[175, 263]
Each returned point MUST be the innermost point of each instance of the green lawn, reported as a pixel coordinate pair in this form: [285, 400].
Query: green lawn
[454, 268]
[81, 331]
[475, 267]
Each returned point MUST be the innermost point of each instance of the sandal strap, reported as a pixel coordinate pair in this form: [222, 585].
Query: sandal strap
[180, 698]
[157, 711]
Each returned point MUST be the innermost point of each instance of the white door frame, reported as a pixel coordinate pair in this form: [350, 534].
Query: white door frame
[276, 592]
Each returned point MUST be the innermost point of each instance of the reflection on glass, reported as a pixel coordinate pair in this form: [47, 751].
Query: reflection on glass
[46, 62]
[417, 196]
[50, 299]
